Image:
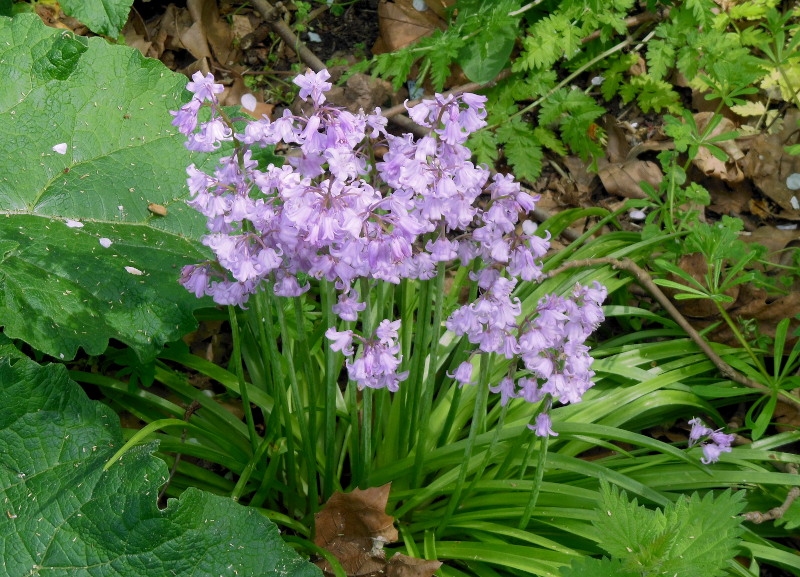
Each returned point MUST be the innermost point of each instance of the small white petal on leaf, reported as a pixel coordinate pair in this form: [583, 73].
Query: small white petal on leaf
[133, 270]
[60, 148]
[637, 215]
[529, 227]
[73, 223]
[249, 102]
[106, 242]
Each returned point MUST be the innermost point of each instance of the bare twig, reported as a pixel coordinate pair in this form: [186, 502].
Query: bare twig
[644, 279]
[779, 511]
[629, 23]
[270, 15]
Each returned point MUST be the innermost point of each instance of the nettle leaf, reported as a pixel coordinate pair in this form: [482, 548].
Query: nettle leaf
[105, 17]
[65, 516]
[82, 257]
[694, 536]
[589, 567]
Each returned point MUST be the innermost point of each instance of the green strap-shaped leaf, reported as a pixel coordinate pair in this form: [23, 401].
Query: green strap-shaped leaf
[82, 259]
[64, 516]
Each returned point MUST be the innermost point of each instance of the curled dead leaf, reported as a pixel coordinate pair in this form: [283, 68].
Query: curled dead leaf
[401, 24]
[404, 566]
[769, 165]
[709, 164]
[353, 527]
[624, 178]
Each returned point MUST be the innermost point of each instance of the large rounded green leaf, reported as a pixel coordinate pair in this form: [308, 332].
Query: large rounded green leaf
[82, 258]
[64, 516]
[101, 16]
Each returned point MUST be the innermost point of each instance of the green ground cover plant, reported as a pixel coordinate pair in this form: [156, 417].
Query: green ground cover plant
[493, 471]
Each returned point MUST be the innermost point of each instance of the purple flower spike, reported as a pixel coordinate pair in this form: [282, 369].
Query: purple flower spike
[463, 374]
[204, 87]
[313, 84]
[332, 212]
[507, 390]
[714, 443]
[542, 428]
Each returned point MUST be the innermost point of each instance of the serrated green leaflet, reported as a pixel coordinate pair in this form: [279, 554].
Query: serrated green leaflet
[101, 16]
[64, 516]
[62, 285]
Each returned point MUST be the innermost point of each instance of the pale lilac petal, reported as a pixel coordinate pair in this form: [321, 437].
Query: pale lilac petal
[249, 102]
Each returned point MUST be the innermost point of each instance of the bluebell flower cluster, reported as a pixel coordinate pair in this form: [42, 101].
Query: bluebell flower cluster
[713, 442]
[332, 212]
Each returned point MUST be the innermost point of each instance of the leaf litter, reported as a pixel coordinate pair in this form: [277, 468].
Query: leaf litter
[754, 184]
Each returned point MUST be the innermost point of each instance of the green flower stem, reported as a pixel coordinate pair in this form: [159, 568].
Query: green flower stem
[237, 364]
[461, 351]
[241, 484]
[312, 380]
[365, 430]
[366, 435]
[279, 392]
[410, 406]
[394, 445]
[297, 401]
[498, 427]
[478, 414]
[269, 479]
[537, 483]
[423, 426]
[356, 458]
[328, 297]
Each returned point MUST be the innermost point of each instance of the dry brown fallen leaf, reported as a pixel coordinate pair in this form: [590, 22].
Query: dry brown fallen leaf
[710, 165]
[729, 200]
[354, 526]
[217, 31]
[361, 92]
[404, 566]
[401, 24]
[583, 178]
[624, 178]
[769, 165]
[780, 244]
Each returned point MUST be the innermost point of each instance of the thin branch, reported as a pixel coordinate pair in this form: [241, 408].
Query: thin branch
[271, 16]
[776, 512]
[644, 279]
